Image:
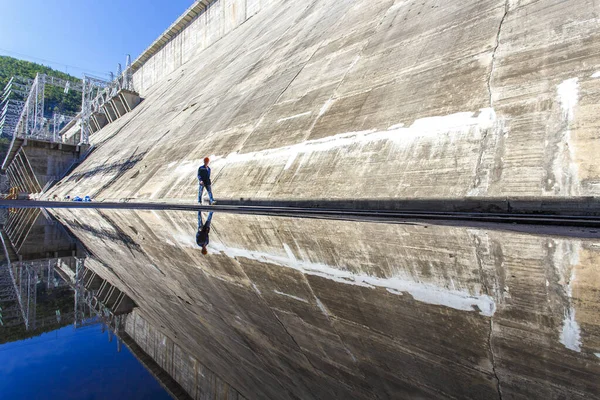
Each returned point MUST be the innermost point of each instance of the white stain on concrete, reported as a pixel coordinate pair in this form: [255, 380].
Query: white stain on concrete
[290, 161]
[396, 126]
[291, 296]
[354, 62]
[487, 118]
[568, 96]
[595, 75]
[423, 292]
[566, 258]
[322, 307]
[289, 251]
[432, 127]
[570, 336]
[294, 116]
[256, 288]
[565, 168]
[326, 107]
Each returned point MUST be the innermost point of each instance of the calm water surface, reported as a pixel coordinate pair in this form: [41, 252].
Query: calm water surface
[74, 363]
[147, 304]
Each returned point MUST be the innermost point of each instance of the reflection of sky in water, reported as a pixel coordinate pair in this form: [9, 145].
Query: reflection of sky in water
[73, 364]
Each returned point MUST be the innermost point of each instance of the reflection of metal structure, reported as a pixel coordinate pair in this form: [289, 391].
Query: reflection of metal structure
[33, 245]
[101, 296]
[10, 310]
[27, 279]
[97, 301]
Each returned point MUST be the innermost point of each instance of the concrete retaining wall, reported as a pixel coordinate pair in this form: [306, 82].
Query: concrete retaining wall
[38, 163]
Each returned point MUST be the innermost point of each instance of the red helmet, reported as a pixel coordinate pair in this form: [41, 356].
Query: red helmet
[206, 160]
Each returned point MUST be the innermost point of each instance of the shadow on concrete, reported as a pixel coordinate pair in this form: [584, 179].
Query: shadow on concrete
[579, 206]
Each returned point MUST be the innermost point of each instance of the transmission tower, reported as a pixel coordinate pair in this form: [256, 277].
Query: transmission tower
[31, 122]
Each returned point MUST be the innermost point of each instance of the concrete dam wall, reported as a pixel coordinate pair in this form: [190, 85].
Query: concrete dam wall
[362, 100]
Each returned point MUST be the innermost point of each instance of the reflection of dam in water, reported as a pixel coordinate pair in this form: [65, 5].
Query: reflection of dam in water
[306, 308]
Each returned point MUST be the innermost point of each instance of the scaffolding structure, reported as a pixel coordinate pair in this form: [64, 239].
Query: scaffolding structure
[58, 122]
[25, 119]
[10, 311]
[11, 104]
[83, 312]
[97, 92]
[29, 278]
[93, 97]
[32, 122]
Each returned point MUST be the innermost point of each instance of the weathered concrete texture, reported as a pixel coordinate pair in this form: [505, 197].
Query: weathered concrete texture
[220, 18]
[286, 308]
[114, 108]
[198, 381]
[98, 121]
[357, 99]
[166, 381]
[72, 135]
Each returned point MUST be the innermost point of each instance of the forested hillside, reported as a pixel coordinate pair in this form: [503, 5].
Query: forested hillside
[55, 99]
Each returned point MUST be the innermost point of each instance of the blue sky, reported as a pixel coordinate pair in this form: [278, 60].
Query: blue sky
[80, 36]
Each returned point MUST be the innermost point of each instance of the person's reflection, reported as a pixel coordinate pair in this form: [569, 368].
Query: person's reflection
[203, 230]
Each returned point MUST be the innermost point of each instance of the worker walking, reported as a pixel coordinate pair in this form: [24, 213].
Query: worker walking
[204, 181]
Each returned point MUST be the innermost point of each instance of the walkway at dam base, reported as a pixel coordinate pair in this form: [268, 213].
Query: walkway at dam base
[315, 308]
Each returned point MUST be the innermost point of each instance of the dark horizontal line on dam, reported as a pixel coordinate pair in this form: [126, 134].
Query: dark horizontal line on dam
[562, 225]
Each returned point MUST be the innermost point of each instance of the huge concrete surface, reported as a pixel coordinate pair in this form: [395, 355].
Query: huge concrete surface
[369, 99]
[314, 309]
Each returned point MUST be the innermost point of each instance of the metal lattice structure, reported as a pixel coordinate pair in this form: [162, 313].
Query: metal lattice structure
[32, 123]
[11, 104]
[94, 95]
[26, 283]
[58, 122]
[26, 278]
[97, 92]
[26, 119]
[83, 313]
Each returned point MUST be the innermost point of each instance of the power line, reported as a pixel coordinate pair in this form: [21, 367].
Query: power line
[52, 62]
